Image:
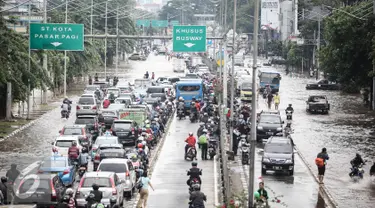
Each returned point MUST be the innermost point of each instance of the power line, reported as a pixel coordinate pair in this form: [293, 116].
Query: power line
[5, 10]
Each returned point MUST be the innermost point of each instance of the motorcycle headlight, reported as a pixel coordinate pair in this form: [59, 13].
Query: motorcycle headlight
[266, 160]
[260, 128]
[279, 129]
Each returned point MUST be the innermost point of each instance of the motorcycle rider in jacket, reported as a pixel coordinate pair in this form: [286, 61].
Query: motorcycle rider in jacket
[197, 198]
[372, 170]
[73, 152]
[289, 108]
[194, 172]
[356, 162]
[191, 141]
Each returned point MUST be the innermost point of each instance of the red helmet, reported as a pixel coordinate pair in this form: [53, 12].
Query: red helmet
[140, 145]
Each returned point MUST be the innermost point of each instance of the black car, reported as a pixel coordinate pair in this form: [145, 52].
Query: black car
[269, 124]
[126, 131]
[42, 189]
[323, 84]
[278, 155]
[317, 103]
[109, 117]
[91, 123]
[160, 96]
[108, 151]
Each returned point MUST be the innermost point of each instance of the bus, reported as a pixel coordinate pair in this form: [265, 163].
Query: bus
[188, 89]
[269, 77]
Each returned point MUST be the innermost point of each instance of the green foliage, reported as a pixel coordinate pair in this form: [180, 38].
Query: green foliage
[294, 55]
[349, 56]
[276, 47]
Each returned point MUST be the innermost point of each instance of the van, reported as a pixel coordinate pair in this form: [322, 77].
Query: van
[155, 89]
[86, 106]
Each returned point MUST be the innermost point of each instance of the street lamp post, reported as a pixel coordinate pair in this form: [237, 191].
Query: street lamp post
[232, 76]
[105, 40]
[65, 57]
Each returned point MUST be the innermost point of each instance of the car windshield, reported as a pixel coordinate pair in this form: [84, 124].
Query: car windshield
[72, 131]
[109, 147]
[269, 77]
[106, 141]
[64, 143]
[54, 163]
[113, 167]
[100, 181]
[122, 125]
[246, 86]
[278, 148]
[32, 184]
[189, 88]
[270, 119]
[114, 91]
[85, 121]
[86, 101]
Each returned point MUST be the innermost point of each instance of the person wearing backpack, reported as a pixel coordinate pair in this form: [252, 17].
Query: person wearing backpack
[143, 183]
[320, 161]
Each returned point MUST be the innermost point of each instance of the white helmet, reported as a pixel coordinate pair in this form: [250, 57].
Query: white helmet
[144, 143]
[205, 131]
[169, 103]
[69, 191]
[147, 121]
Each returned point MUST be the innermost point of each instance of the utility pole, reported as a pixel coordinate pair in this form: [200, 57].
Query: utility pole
[29, 68]
[253, 136]
[314, 51]
[117, 41]
[91, 17]
[318, 47]
[8, 115]
[65, 57]
[373, 69]
[45, 62]
[232, 76]
[105, 40]
[225, 17]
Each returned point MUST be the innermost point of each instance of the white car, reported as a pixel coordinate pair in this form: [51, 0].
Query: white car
[62, 144]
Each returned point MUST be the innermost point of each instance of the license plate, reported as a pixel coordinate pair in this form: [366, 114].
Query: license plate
[277, 167]
[86, 107]
[110, 155]
[269, 133]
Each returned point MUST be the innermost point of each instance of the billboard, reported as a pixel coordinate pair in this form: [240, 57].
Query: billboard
[270, 12]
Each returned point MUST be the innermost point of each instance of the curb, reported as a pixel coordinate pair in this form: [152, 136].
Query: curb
[328, 198]
[216, 193]
[156, 155]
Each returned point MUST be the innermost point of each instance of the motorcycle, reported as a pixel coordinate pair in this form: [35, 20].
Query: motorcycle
[180, 114]
[245, 150]
[289, 115]
[194, 182]
[211, 151]
[64, 114]
[265, 94]
[193, 117]
[191, 153]
[261, 204]
[356, 172]
[82, 170]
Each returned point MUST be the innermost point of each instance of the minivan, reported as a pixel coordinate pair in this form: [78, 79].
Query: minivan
[87, 106]
[278, 155]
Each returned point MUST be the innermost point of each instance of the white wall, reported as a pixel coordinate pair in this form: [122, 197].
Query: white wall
[270, 10]
[287, 19]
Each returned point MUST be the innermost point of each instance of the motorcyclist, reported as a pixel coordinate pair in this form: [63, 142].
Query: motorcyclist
[111, 97]
[372, 170]
[198, 106]
[84, 157]
[73, 152]
[3, 190]
[289, 108]
[262, 192]
[357, 161]
[152, 75]
[98, 195]
[194, 172]
[69, 199]
[65, 107]
[288, 128]
[13, 173]
[268, 89]
[146, 75]
[204, 118]
[106, 103]
[97, 93]
[191, 141]
[193, 109]
[197, 198]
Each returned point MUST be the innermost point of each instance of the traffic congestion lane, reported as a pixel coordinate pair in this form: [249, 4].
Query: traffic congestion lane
[170, 174]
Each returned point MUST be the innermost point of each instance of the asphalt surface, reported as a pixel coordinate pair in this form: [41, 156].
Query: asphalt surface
[170, 174]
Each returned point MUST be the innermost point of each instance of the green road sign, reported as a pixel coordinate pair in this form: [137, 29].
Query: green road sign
[60, 37]
[144, 23]
[189, 38]
[159, 23]
[175, 22]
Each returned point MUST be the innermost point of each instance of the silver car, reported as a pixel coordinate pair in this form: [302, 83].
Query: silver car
[87, 106]
[125, 171]
[109, 184]
[103, 140]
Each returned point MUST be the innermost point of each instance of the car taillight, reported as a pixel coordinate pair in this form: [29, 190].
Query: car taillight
[94, 107]
[127, 175]
[114, 191]
[133, 131]
[78, 107]
[97, 157]
[79, 186]
[115, 118]
[67, 171]
[53, 194]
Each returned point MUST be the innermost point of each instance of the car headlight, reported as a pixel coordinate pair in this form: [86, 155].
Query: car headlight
[279, 129]
[266, 160]
[260, 128]
[288, 161]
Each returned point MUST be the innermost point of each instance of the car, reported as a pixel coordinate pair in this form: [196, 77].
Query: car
[173, 80]
[125, 171]
[87, 106]
[109, 184]
[62, 144]
[61, 166]
[137, 57]
[126, 131]
[268, 124]
[317, 103]
[323, 84]
[192, 76]
[90, 89]
[202, 71]
[41, 189]
[278, 155]
[159, 80]
[115, 91]
[103, 140]
[161, 96]
[83, 133]
[129, 95]
[92, 123]
[109, 117]
[108, 151]
[116, 106]
[155, 89]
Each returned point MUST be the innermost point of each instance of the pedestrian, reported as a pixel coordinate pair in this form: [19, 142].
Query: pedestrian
[320, 161]
[96, 77]
[90, 80]
[146, 182]
[276, 100]
[269, 100]
[203, 143]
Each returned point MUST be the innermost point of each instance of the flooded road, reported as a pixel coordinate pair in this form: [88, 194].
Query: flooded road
[345, 131]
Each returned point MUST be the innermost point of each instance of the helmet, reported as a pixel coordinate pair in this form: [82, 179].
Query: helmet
[74, 143]
[140, 145]
[156, 119]
[144, 134]
[69, 191]
[205, 114]
[144, 130]
[144, 143]
[84, 150]
[205, 131]
[13, 165]
[4, 179]
[169, 103]
[190, 133]
[193, 103]
[97, 88]
[241, 116]
[180, 98]
[194, 164]
[256, 195]
[357, 155]
[95, 186]
[196, 187]
[290, 105]
[147, 121]
[202, 124]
